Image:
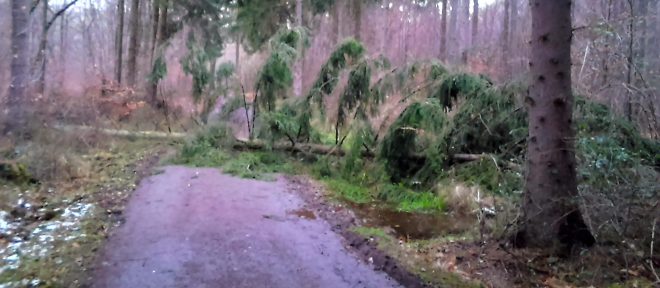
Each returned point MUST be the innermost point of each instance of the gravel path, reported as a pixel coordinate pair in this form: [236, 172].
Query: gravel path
[190, 227]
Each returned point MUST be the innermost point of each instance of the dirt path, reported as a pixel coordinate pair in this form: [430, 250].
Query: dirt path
[189, 227]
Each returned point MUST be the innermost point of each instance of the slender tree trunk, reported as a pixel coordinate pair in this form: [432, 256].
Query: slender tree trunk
[443, 32]
[453, 30]
[552, 218]
[336, 15]
[119, 41]
[297, 83]
[475, 23]
[506, 38]
[19, 67]
[238, 55]
[652, 52]
[42, 58]
[161, 37]
[357, 18]
[630, 60]
[606, 58]
[465, 25]
[133, 44]
[63, 47]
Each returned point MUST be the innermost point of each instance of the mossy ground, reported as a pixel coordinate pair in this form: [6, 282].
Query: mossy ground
[115, 168]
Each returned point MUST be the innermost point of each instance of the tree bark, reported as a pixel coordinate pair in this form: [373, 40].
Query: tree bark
[475, 23]
[119, 41]
[552, 218]
[453, 30]
[133, 44]
[443, 32]
[42, 58]
[19, 67]
[297, 83]
[357, 18]
[506, 38]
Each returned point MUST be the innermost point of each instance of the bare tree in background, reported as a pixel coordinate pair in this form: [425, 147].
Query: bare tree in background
[19, 67]
[475, 23]
[443, 33]
[119, 41]
[552, 218]
[133, 44]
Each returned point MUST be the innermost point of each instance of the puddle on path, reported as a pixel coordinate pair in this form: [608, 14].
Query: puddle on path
[412, 225]
[302, 213]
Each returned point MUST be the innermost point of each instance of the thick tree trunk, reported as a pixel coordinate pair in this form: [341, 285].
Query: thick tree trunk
[552, 217]
[443, 32]
[119, 41]
[133, 44]
[475, 23]
[16, 101]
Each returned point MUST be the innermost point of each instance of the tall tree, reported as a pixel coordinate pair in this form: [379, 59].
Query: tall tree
[42, 58]
[475, 22]
[297, 84]
[19, 66]
[119, 40]
[443, 32]
[357, 19]
[505, 39]
[453, 29]
[133, 44]
[552, 217]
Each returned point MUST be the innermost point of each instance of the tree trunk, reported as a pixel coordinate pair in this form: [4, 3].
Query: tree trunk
[630, 63]
[238, 55]
[506, 38]
[161, 37]
[443, 32]
[652, 54]
[19, 67]
[336, 15]
[133, 44]
[42, 58]
[119, 41]
[465, 25]
[475, 23]
[453, 30]
[357, 18]
[297, 83]
[552, 218]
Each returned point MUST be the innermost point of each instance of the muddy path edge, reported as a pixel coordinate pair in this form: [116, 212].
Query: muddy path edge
[143, 169]
[341, 219]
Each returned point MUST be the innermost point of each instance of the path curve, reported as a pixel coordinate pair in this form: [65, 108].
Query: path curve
[191, 227]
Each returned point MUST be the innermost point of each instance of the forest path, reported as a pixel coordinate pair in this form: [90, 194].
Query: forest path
[192, 227]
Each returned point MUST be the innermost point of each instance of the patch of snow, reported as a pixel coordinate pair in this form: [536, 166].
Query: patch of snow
[39, 242]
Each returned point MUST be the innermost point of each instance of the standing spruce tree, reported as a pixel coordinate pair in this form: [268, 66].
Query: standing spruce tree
[552, 216]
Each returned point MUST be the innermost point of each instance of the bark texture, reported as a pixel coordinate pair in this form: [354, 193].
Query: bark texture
[119, 41]
[134, 25]
[475, 22]
[552, 218]
[19, 67]
[443, 32]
